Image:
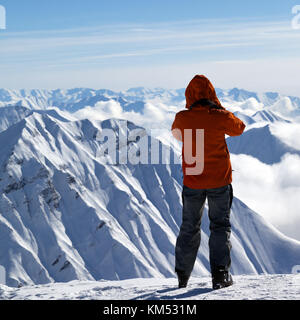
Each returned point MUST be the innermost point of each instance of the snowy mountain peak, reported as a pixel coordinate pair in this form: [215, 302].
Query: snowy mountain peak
[66, 215]
[268, 116]
[241, 94]
[260, 142]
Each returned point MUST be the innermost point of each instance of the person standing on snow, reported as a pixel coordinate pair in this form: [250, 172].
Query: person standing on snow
[208, 121]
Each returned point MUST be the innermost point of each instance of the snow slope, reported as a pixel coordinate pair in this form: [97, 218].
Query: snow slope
[246, 287]
[262, 143]
[10, 116]
[66, 215]
[268, 116]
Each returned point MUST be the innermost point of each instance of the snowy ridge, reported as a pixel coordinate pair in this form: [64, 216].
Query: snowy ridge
[10, 116]
[134, 99]
[261, 143]
[66, 215]
[268, 116]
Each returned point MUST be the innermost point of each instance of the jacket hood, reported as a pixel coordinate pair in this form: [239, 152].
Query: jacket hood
[201, 88]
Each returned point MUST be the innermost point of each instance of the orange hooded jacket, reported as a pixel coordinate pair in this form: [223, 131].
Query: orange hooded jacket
[204, 111]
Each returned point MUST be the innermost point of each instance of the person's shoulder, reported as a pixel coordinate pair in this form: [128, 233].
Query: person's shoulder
[181, 113]
[219, 112]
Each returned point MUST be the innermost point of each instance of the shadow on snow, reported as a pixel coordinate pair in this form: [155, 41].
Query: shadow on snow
[163, 294]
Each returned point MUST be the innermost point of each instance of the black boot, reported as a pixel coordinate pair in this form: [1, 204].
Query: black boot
[182, 279]
[221, 279]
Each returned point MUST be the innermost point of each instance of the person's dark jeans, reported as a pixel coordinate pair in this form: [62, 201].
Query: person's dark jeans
[188, 241]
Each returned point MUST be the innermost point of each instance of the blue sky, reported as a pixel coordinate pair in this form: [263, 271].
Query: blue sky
[58, 14]
[121, 44]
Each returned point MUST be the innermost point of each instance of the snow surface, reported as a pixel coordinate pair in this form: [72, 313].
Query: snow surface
[246, 287]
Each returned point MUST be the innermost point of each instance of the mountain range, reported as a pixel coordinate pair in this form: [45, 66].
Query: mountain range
[134, 99]
[66, 214]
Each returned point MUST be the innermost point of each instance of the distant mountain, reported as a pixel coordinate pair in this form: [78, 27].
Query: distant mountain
[134, 99]
[241, 95]
[12, 115]
[268, 116]
[261, 143]
[73, 100]
[286, 107]
[245, 118]
[65, 214]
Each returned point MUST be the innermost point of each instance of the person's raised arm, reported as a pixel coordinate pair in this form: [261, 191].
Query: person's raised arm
[233, 126]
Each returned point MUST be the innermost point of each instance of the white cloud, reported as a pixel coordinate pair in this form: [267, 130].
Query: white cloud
[288, 132]
[271, 190]
[101, 111]
[153, 116]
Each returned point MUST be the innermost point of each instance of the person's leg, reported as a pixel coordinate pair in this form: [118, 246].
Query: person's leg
[189, 237]
[219, 203]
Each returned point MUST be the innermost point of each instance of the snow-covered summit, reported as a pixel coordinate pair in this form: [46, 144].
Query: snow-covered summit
[66, 215]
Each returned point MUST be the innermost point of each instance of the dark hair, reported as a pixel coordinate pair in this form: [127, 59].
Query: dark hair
[205, 102]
